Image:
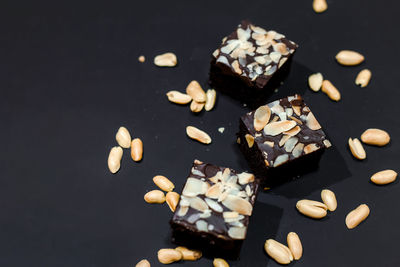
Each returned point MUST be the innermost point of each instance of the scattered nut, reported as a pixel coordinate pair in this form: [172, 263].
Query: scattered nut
[384, 177]
[211, 95]
[178, 97]
[320, 6]
[315, 81]
[141, 60]
[329, 198]
[279, 252]
[172, 200]
[163, 183]
[198, 135]
[355, 217]
[196, 106]
[166, 60]
[349, 58]
[357, 149]
[155, 196]
[137, 149]
[123, 137]
[311, 208]
[294, 245]
[188, 254]
[196, 92]
[143, 263]
[169, 255]
[363, 77]
[218, 262]
[114, 159]
[329, 89]
[376, 137]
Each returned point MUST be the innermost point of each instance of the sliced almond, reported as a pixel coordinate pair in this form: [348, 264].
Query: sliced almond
[194, 187]
[214, 191]
[169, 255]
[137, 149]
[312, 122]
[114, 159]
[329, 89]
[166, 60]
[320, 6]
[363, 77]
[298, 150]
[310, 148]
[214, 205]
[188, 254]
[329, 198]
[155, 196]
[349, 58]
[182, 211]
[163, 183]
[245, 178]
[143, 263]
[295, 245]
[198, 135]
[315, 81]
[275, 128]
[211, 96]
[196, 92]
[198, 204]
[218, 262]
[357, 149]
[297, 110]
[311, 208]
[236, 67]
[376, 137]
[261, 117]
[178, 97]
[283, 140]
[355, 217]
[249, 140]
[279, 252]
[384, 177]
[238, 204]
[293, 131]
[196, 106]
[237, 232]
[123, 137]
[172, 199]
[281, 159]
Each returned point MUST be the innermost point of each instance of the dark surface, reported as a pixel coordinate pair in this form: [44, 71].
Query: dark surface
[69, 77]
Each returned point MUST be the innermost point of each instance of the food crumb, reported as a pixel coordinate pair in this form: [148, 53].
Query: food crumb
[221, 129]
[142, 59]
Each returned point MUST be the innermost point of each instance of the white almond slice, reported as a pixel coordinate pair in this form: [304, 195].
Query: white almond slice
[282, 116]
[237, 232]
[230, 215]
[182, 211]
[298, 150]
[198, 204]
[194, 187]
[238, 204]
[283, 140]
[216, 178]
[261, 117]
[243, 35]
[202, 225]
[293, 131]
[275, 128]
[198, 173]
[281, 159]
[290, 144]
[227, 49]
[222, 60]
[269, 143]
[214, 191]
[214, 205]
[206, 214]
[310, 148]
[248, 190]
[275, 56]
[225, 174]
[258, 29]
[289, 112]
[277, 109]
[296, 110]
[312, 122]
[245, 178]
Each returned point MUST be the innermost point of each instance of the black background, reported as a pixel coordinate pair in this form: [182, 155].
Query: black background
[69, 77]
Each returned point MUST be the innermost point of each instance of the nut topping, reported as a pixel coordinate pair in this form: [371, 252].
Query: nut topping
[275, 128]
[312, 122]
[211, 96]
[238, 204]
[237, 232]
[315, 81]
[196, 92]
[250, 140]
[178, 97]
[261, 117]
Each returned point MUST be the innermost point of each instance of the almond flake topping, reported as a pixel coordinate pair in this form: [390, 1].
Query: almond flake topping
[310, 148]
[261, 117]
[245, 178]
[238, 204]
[312, 122]
[275, 128]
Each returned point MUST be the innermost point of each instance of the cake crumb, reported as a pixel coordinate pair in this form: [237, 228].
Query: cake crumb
[142, 59]
[221, 129]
